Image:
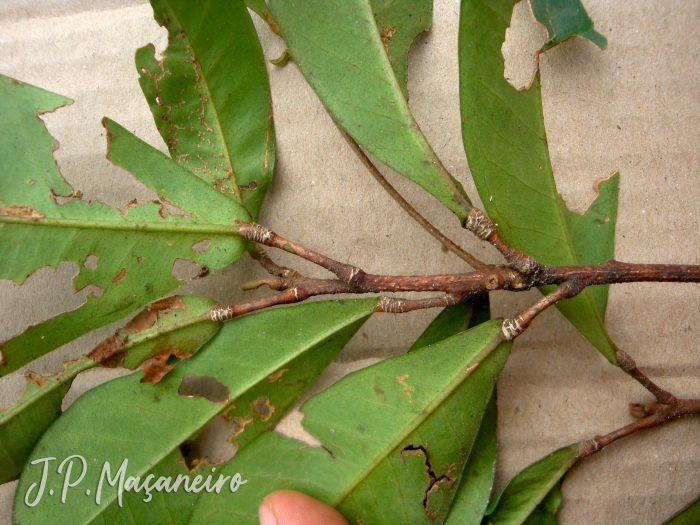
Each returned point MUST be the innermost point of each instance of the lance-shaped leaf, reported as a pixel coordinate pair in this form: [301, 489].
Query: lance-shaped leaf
[688, 515]
[210, 96]
[505, 142]
[143, 423]
[565, 19]
[174, 327]
[341, 54]
[387, 444]
[523, 494]
[399, 22]
[476, 483]
[129, 256]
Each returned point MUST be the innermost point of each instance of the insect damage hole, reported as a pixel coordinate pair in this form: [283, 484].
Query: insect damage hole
[520, 50]
[201, 246]
[193, 385]
[91, 261]
[186, 270]
[210, 446]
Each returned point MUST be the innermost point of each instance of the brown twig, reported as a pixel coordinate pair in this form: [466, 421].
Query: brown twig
[415, 214]
[626, 363]
[515, 326]
[659, 414]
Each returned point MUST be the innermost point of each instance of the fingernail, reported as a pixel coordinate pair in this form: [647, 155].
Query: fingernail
[266, 516]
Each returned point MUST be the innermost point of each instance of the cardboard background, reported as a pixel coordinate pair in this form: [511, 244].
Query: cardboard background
[633, 107]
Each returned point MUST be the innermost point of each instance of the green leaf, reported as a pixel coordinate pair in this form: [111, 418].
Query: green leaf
[565, 19]
[210, 96]
[546, 512]
[391, 446]
[399, 22]
[341, 55]
[476, 483]
[522, 494]
[688, 515]
[145, 423]
[135, 250]
[176, 323]
[506, 145]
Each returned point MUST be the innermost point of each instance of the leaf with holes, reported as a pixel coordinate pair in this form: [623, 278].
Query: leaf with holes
[134, 251]
[168, 330]
[144, 423]
[565, 19]
[538, 483]
[399, 22]
[505, 141]
[341, 54]
[210, 97]
[392, 450]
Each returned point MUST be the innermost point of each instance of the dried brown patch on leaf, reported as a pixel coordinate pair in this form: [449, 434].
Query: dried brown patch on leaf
[119, 276]
[161, 364]
[172, 302]
[109, 353]
[276, 376]
[143, 320]
[23, 212]
[386, 34]
[262, 408]
[209, 388]
[37, 378]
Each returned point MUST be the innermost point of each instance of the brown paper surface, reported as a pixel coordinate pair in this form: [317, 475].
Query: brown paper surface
[634, 107]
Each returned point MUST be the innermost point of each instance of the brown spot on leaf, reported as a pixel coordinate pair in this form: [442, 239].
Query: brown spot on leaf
[24, 212]
[172, 302]
[37, 378]
[139, 260]
[274, 377]
[30, 182]
[161, 364]
[212, 389]
[2, 357]
[262, 407]
[120, 276]
[402, 377]
[386, 34]
[110, 352]
[142, 320]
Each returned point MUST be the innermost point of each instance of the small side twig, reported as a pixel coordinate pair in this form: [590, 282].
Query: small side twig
[628, 365]
[659, 415]
[515, 326]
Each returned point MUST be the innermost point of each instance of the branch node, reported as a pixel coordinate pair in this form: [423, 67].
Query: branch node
[479, 224]
[512, 328]
[255, 232]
